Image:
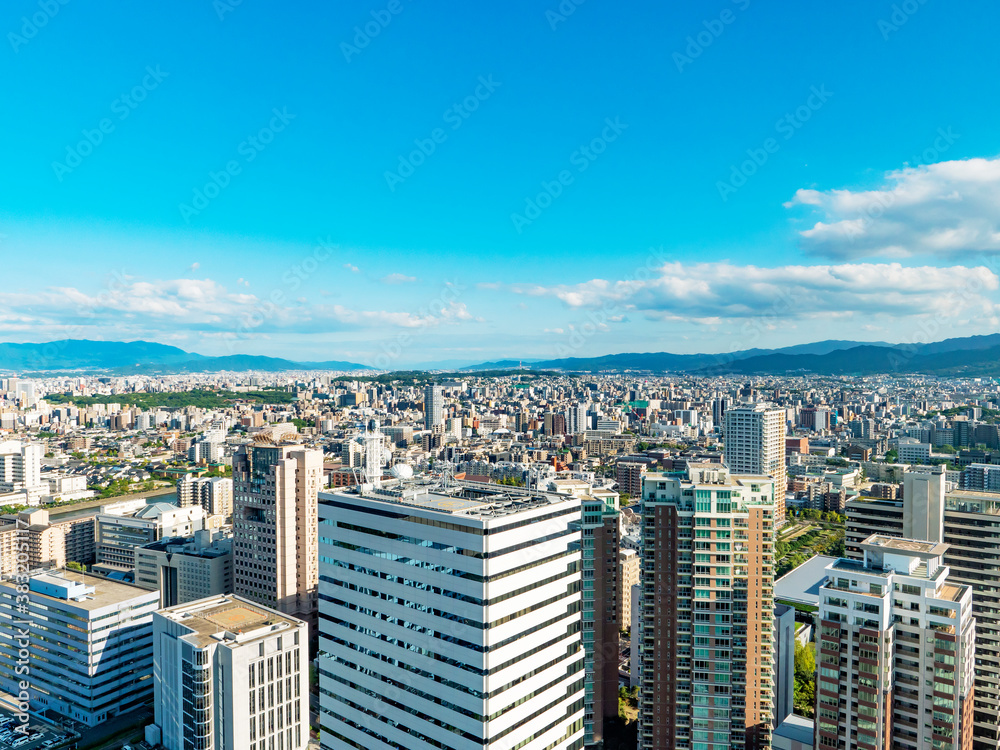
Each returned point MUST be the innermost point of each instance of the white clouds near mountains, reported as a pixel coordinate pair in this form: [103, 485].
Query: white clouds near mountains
[949, 210]
[711, 292]
[140, 307]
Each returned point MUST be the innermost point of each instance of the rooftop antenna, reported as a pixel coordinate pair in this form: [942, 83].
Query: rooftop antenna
[374, 457]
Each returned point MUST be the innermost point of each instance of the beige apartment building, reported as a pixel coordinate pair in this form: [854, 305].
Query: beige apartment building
[275, 491]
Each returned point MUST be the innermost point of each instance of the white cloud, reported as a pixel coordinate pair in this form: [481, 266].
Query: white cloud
[194, 267]
[950, 209]
[711, 293]
[202, 305]
[352, 268]
[398, 278]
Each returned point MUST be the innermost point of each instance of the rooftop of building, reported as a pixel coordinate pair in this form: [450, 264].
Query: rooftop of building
[187, 545]
[89, 592]
[801, 585]
[896, 544]
[457, 497]
[228, 618]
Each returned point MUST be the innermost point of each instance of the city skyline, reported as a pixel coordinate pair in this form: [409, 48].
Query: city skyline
[564, 180]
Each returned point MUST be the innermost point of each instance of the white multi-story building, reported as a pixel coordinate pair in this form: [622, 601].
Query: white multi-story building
[89, 644]
[433, 406]
[214, 494]
[895, 656]
[450, 617]
[755, 444]
[230, 675]
[912, 451]
[118, 536]
[21, 472]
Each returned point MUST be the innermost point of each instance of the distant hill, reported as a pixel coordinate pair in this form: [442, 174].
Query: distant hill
[141, 357]
[667, 362]
[971, 355]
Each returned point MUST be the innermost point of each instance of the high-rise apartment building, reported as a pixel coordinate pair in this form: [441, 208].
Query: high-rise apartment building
[89, 645]
[274, 525]
[601, 624]
[576, 419]
[30, 533]
[968, 523]
[230, 675]
[629, 476]
[433, 406]
[214, 494]
[450, 617]
[896, 649]
[706, 655]
[629, 574]
[754, 443]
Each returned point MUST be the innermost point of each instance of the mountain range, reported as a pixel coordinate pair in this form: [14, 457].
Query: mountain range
[969, 356]
[972, 356]
[143, 357]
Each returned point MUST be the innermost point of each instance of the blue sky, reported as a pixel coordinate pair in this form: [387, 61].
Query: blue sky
[707, 176]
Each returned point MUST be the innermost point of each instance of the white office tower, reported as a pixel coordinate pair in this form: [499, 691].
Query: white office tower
[576, 419]
[754, 443]
[229, 675]
[88, 654]
[433, 406]
[450, 617]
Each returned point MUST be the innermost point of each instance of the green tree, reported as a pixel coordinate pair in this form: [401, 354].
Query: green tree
[804, 696]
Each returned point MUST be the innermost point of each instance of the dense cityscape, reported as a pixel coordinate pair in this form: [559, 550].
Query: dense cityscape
[561, 375]
[510, 559]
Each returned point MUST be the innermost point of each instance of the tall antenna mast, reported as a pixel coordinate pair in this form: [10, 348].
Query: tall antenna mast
[374, 457]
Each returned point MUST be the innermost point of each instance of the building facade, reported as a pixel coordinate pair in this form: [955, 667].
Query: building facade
[90, 644]
[755, 444]
[896, 648]
[230, 675]
[461, 602]
[275, 487]
[185, 569]
[706, 655]
[969, 522]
